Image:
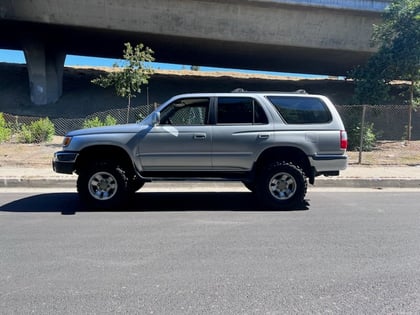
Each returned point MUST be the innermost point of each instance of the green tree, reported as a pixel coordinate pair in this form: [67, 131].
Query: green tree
[397, 57]
[128, 77]
[371, 83]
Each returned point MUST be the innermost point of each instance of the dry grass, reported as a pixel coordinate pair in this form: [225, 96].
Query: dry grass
[28, 155]
[390, 153]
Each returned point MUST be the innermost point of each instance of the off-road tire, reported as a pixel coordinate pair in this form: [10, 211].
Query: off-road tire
[281, 185]
[103, 185]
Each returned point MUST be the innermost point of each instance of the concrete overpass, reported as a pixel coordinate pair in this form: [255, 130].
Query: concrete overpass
[307, 36]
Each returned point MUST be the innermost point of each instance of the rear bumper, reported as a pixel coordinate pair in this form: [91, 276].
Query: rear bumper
[329, 164]
[64, 162]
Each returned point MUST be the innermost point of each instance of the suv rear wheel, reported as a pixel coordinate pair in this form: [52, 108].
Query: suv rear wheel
[282, 185]
[103, 185]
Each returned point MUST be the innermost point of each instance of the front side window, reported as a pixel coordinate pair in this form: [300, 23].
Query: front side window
[301, 110]
[240, 110]
[184, 112]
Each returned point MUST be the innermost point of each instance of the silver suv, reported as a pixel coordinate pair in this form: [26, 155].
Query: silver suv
[272, 142]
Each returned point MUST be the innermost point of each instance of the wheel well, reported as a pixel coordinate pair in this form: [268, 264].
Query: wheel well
[288, 154]
[104, 153]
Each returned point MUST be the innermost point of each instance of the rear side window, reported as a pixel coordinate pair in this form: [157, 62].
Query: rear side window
[240, 110]
[301, 110]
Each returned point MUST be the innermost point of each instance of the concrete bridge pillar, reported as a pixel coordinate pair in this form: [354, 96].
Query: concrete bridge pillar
[45, 68]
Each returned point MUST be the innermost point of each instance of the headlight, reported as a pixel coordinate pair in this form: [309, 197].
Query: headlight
[66, 141]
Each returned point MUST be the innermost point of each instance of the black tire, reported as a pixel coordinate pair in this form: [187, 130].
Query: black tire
[282, 185]
[103, 186]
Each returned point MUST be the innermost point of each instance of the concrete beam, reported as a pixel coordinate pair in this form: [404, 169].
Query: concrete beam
[281, 23]
[45, 68]
[307, 36]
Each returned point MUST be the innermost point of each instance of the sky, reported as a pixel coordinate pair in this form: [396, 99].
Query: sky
[16, 56]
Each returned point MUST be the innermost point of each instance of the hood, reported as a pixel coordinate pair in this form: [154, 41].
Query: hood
[127, 128]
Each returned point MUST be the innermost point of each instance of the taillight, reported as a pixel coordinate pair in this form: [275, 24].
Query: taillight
[343, 139]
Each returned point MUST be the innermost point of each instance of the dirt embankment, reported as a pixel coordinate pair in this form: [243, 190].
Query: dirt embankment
[81, 98]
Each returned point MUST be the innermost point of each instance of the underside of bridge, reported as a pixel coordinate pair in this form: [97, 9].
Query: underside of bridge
[270, 48]
[183, 50]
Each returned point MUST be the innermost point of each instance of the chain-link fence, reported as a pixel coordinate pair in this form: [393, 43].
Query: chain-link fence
[389, 122]
[64, 125]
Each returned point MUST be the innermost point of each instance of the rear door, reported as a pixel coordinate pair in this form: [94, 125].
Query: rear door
[241, 131]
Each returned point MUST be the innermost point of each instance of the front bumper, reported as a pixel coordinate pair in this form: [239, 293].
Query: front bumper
[64, 162]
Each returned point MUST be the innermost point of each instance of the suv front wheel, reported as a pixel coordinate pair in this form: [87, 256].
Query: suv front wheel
[103, 185]
[282, 185]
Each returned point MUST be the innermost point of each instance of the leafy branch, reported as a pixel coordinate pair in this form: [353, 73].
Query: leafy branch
[128, 76]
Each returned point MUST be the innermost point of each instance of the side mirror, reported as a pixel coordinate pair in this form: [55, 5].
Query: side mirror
[155, 118]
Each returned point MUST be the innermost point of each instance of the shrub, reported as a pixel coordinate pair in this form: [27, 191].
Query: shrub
[38, 131]
[96, 122]
[352, 121]
[369, 137]
[110, 121]
[25, 135]
[5, 131]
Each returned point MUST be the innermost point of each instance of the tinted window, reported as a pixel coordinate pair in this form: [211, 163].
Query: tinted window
[301, 110]
[190, 111]
[239, 110]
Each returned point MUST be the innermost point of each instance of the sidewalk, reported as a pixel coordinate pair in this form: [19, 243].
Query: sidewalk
[354, 176]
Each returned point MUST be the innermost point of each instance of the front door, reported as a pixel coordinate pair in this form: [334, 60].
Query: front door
[181, 141]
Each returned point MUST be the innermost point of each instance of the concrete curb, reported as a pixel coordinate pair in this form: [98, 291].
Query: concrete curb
[44, 182]
[64, 182]
[369, 183]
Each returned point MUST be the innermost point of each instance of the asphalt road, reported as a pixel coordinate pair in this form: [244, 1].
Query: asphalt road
[211, 253]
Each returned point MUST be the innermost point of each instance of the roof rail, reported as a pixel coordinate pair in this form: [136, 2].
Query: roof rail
[238, 90]
[241, 90]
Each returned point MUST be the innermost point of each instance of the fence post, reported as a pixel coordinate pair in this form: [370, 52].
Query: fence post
[362, 131]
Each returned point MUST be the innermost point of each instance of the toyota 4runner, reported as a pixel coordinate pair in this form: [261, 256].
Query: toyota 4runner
[272, 142]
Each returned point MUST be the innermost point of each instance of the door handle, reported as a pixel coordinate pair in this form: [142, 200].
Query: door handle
[263, 136]
[200, 136]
